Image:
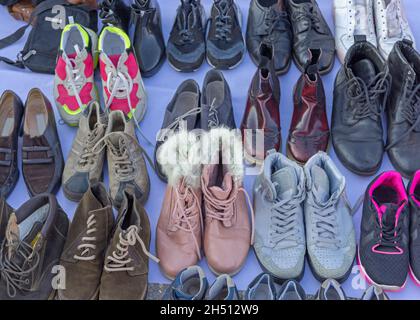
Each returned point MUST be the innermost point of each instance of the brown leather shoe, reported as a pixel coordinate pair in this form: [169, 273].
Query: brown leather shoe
[84, 252]
[11, 110]
[262, 114]
[42, 158]
[309, 131]
[227, 230]
[179, 229]
[21, 10]
[126, 260]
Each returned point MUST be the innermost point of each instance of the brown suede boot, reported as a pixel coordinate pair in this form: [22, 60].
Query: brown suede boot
[227, 230]
[84, 251]
[126, 261]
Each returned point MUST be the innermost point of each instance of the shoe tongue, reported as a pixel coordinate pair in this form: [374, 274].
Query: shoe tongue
[12, 234]
[223, 5]
[223, 192]
[321, 184]
[365, 70]
[388, 211]
[285, 183]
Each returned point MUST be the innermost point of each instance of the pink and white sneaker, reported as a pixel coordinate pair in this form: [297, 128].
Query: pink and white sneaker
[123, 87]
[74, 85]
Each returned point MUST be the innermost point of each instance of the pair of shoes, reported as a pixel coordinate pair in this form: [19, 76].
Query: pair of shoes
[191, 109]
[263, 287]
[260, 124]
[106, 259]
[191, 284]
[363, 86]
[383, 22]
[142, 21]
[389, 239]
[190, 40]
[42, 158]
[310, 31]
[268, 23]
[74, 85]
[115, 137]
[205, 204]
[31, 245]
[288, 199]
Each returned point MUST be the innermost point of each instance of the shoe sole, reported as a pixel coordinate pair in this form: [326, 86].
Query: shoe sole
[95, 296]
[413, 277]
[72, 196]
[369, 280]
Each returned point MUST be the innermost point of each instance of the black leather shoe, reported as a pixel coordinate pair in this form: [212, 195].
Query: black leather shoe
[403, 108]
[360, 91]
[310, 31]
[268, 23]
[147, 36]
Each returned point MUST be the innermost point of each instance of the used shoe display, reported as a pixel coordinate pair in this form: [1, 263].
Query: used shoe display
[352, 18]
[42, 158]
[84, 252]
[225, 46]
[180, 224]
[310, 31]
[35, 237]
[330, 290]
[261, 121]
[402, 108]
[413, 191]
[360, 91]
[190, 284]
[122, 85]
[391, 24]
[279, 192]
[147, 38]
[216, 102]
[227, 230]
[183, 110]
[291, 290]
[223, 288]
[83, 165]
[126, 165]
[383, 252]
[309, 131]
[74, 83]
[374, 293]
[186, 48]
[261, 288]
[330, 234]
[11, 111]
[127, 258]
[268, 23]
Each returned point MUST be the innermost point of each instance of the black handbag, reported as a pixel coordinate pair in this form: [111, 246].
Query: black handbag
[48, 19]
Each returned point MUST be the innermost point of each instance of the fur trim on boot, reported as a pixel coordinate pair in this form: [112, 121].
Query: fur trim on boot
[227, 143]
[180, 157]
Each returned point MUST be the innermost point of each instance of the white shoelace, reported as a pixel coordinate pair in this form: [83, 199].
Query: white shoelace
[76, 79]
[86, 246]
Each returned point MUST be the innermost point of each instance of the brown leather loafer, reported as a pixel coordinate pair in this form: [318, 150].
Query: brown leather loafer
[42, 158]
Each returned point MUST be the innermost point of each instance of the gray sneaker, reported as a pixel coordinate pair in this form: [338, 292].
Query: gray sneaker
[126, 164]
[330, 235]
[83, 165]
[279, 192]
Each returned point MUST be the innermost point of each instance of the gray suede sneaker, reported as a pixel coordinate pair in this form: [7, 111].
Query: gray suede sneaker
[279, 192]
[125, 156]
[330, 235]
[83, 165]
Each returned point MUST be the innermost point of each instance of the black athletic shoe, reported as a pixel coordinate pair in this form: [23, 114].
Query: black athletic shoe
[225, 43]
[383, 248]
[186, 48]
[413, 191]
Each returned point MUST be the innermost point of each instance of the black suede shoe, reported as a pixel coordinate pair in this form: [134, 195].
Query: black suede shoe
[310, 31]
[147, 37]
[403, 108]
[216, 102]
[186, 47]
[268, 22]
[225, 44]
[360, 90]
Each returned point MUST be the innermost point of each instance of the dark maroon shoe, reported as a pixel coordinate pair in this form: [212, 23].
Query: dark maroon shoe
[262, 114]
[309, 131]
